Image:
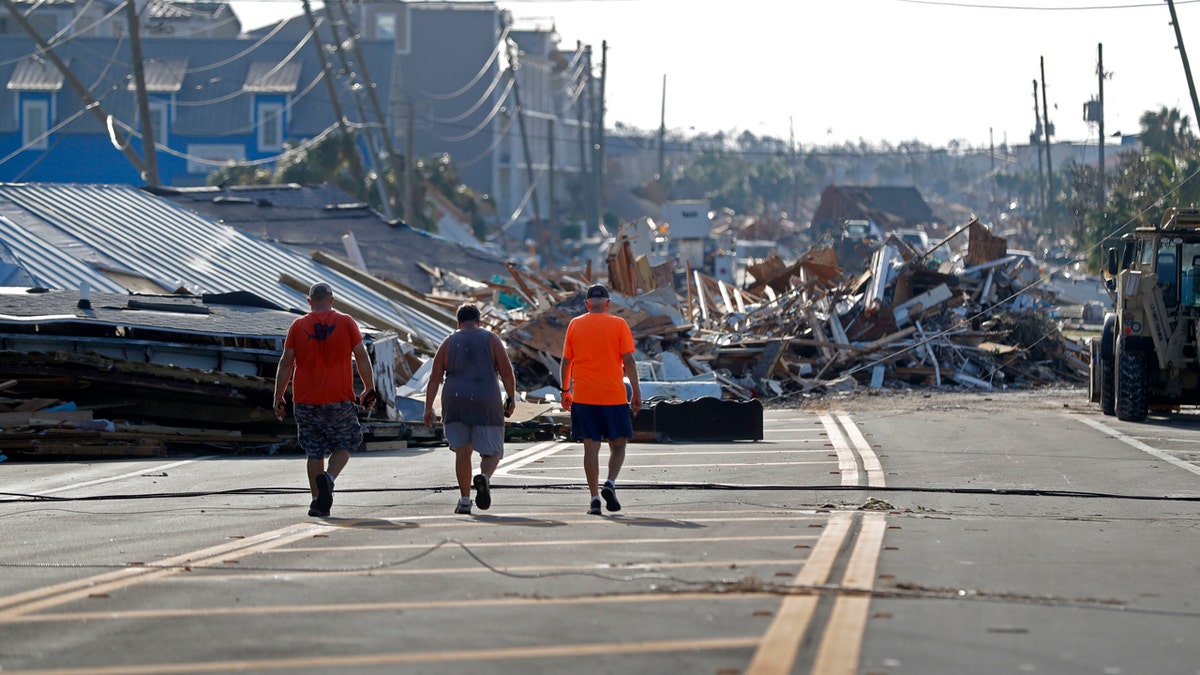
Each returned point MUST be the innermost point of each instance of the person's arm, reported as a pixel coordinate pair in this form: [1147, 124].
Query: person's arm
[505, 370]
[564, 370]
[283, 375]
[635, 404]
[363, 362]
[564, 373]
[435, 382]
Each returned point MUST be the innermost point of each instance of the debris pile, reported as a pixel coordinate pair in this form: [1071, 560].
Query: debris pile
[149, 375]
[977, 320]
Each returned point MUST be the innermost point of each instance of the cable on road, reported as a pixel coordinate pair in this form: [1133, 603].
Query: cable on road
[13, 497]
[749, 585]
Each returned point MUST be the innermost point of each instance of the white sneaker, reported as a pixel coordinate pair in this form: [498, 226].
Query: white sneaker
[464, 506]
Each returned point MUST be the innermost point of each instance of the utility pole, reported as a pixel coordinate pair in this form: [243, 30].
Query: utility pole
[662, 133]
[1050, 210]
[349, 70]
[520, 112]
[90, 103]
[1187, 69]
[1036, 137]
[1100, 76]
[356, 164]
[150, 154]
[582, 103]
[593, 217]
[598, 166]
[393, 158]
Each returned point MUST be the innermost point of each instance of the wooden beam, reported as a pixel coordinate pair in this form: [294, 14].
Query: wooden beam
[353, 310]
[388, 289]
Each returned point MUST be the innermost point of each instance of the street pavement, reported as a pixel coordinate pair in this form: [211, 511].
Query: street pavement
[886, 534]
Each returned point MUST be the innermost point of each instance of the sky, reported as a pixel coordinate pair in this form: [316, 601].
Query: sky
[833, 71]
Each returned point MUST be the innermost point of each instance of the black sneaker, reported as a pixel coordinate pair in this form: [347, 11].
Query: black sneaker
[594, 509]
[324, 500]
[609, 492]
[316, 512]
[483, 492]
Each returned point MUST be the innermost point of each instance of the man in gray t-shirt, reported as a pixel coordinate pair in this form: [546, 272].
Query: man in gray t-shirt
[472, 411]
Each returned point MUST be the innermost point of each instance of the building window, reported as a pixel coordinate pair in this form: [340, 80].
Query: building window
[270, 126]
[35, 121]
[159, 121]
[385, 26]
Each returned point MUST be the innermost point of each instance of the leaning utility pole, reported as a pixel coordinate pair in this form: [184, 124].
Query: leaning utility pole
[393, 159]
[520, 112]
[348, 69]
[356, 165]
[1050, 210]
[581, 103]
[1187, 69]
[150, 154]
[598, 165]
[90, 102]
[593, 199]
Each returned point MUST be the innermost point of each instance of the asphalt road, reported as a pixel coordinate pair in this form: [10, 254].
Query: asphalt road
[1006, 533]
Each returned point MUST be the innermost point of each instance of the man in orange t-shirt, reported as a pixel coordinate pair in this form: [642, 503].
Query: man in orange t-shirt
[597, 355]
[316, 359]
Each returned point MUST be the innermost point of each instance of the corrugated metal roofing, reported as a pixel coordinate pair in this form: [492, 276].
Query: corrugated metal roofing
[178, 248]
[47, 265]
[35, 74]
[272, 77]
[162, 75]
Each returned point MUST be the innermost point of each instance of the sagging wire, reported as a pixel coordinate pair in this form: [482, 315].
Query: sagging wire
[744, 585]
[496, 51]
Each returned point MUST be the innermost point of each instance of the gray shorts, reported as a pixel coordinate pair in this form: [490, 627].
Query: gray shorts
[486, 440]
[322, 429]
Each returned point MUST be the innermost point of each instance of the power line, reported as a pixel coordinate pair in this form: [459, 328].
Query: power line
[1089, 8]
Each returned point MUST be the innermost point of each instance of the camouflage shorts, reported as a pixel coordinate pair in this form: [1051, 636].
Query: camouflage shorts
[323, 429]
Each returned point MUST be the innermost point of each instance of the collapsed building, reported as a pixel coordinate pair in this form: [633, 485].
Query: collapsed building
[139, 323]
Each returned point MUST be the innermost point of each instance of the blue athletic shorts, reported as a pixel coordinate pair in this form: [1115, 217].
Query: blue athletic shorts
[600, 422]
[322, 429]
[486, 440]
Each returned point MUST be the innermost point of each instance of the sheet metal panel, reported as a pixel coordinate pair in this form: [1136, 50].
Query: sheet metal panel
[178, 248]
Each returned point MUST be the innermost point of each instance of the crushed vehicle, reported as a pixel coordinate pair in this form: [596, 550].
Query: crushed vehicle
[1146, 357]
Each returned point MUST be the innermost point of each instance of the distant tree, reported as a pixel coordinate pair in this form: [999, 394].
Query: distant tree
[1162, 175]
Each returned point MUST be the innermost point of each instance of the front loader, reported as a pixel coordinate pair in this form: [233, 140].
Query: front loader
[1146, 357]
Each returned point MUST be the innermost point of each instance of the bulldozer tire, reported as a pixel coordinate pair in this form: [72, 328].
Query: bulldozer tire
[1108, 386]
[1131, 385]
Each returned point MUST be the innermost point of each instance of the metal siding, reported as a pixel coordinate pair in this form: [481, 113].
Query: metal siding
[47, 264]
[162, 75]
[272, 77]
[176, 247]
[35, 75]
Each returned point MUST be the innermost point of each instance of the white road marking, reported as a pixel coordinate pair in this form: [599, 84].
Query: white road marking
[531, 454]
[131, 474]
[1135, 443]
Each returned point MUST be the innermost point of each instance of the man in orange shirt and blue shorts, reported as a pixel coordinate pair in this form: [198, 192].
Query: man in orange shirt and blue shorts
[316, 358]
[597, 355]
